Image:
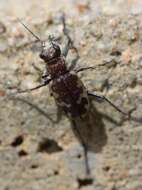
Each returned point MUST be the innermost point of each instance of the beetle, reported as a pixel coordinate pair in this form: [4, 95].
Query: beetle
[65, 86]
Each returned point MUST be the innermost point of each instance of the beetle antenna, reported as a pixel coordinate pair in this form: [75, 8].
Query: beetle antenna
[30, 31]
[52, 40]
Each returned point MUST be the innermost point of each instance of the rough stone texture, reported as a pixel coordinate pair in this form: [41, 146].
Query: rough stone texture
[38, 153]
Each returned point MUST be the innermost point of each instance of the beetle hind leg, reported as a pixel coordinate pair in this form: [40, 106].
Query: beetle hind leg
[85, 147]
[102, 98]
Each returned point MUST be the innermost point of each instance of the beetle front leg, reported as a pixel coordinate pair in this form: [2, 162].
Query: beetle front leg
[75, 60]
[69, 45]
[69, 40]
[66, 48]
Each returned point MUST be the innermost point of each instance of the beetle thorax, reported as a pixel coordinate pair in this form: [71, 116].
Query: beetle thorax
[57, 68]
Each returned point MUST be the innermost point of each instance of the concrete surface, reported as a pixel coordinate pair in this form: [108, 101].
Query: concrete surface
[37, 153]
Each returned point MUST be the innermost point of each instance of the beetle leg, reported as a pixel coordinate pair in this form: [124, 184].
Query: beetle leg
[83, 69]
[45, 75]
[34, 106]
[37, 69]
[59, 114]
[102, 98]
[66, 48]
[85, 148]
[37, 87]
[91, 67]
[69, 45]
[31, 89]
[75, 60]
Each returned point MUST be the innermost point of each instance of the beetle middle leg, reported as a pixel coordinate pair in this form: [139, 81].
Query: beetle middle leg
[84, 68]
[46, 82]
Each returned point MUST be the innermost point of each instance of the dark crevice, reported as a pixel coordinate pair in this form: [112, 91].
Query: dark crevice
[84, 182]
[2, 28]
[79, 156]
[56, 172]
[133, 83]
[34, 166]
[22, 153]
[49, 146]
[17, 141]
[106, 168]
[121, 139]
[116, 53]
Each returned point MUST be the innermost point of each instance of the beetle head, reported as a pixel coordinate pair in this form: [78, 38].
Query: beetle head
[50, 53]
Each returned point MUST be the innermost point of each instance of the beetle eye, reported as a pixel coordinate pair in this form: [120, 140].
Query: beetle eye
[57, 51]
[41, 56]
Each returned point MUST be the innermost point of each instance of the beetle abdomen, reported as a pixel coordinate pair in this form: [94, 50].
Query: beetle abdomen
[70, 94]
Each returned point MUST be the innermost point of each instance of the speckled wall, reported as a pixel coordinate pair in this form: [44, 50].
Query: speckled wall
[38, 152]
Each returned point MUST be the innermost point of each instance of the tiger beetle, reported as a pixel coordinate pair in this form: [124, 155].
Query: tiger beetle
[68, 90]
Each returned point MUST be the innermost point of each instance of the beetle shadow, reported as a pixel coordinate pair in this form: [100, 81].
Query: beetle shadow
[92, 129]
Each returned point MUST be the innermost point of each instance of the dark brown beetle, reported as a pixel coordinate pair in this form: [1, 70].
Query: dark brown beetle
[67, 89]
